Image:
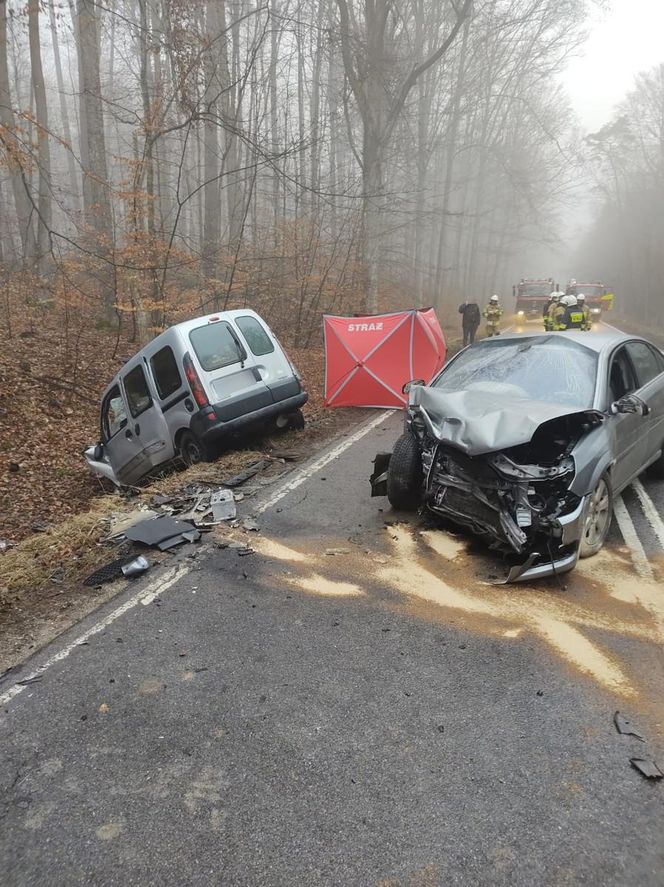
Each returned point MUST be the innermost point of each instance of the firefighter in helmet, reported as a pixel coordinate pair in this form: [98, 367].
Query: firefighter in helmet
[587, 316]
[570, 318]
[557, 314]
[548, 311]
[493, 312]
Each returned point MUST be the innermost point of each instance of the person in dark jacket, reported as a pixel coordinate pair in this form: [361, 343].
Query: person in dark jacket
[470, 320]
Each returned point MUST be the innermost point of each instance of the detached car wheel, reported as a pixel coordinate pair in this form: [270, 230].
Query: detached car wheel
[192, 451]
[598, 518]
[404, 475]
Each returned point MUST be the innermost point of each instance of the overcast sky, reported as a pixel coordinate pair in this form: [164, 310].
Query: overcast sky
[622, 42]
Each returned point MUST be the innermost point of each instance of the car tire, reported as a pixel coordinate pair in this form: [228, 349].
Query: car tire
[296, 420]
[404, 475]
[192, 451]
[598, 517]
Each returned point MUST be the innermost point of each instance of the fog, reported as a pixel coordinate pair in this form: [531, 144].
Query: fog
[303, 156]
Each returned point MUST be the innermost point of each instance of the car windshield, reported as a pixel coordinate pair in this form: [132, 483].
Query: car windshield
[547, 368]
[535, 289]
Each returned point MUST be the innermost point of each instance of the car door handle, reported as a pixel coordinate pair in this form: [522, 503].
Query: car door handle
[137, 430]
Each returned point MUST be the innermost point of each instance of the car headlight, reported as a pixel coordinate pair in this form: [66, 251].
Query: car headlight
[521, 313]
[596, 311]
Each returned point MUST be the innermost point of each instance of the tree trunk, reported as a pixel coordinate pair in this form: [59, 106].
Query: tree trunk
[96, 192]
[74, 184]
[13, 151]
[211, 155]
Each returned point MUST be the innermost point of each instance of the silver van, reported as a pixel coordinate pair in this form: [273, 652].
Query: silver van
[192, 387]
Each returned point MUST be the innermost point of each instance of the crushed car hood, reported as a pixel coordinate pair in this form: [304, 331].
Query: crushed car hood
[485, 420]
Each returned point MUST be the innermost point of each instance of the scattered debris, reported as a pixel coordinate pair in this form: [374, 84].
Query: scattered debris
[119, 525]
[285, 457]
[103, 709]
[378, 479]
[250, 525]
[238, 479]
[5, 544]
[35, 679]
[107, 573]
[40, 526]
[336, 552]
[161, 532]
[136, 567]
[222, 505]
[625, 727]
[646, 768]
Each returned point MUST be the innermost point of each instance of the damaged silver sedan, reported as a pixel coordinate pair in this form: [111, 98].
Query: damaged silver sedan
[526, 440]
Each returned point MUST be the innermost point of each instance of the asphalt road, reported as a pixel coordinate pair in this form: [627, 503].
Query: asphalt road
[351, 704]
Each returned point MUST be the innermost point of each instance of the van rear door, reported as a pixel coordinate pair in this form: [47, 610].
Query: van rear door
[275, 368]
[229, 374]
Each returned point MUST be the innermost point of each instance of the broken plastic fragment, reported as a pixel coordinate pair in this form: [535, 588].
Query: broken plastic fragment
[155, 532]
[625, 727]
[136, 567]
[223, 505]
[646, 768]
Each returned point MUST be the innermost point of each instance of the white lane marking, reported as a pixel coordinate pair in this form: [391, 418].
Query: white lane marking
[161, 585]
[632, 541]
[650, 511]
[308, 471]
[147, 594]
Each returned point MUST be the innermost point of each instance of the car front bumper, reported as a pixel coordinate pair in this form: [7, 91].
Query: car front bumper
[571, 532]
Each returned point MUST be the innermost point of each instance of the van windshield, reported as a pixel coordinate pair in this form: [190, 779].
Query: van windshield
[216, 346]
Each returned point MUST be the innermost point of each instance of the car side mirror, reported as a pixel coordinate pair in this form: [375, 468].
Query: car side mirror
[413, 382]
[98, 452]
[630, 403]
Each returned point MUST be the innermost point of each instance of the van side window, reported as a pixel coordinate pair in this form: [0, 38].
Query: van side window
[216, 346]
[165, 372]
[113, 413]
[258, 340]
[137, 391]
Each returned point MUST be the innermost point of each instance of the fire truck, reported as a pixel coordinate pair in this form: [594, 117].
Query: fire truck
[531, 296]
[599, 297]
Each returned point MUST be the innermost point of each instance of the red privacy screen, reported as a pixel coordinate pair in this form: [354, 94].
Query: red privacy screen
[369, 359]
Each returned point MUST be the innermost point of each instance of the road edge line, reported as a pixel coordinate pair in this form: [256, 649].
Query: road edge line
[637, 551]
[307, 471]
[151, 591]
[147, 594]
[650, 511]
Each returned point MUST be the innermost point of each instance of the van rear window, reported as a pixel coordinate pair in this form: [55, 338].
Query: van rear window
[257, 338]
[216, 346]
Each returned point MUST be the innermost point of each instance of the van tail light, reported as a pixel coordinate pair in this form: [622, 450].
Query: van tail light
[195, 384]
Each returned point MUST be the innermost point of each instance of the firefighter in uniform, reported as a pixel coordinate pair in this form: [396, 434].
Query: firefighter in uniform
[493, 312]
[548, 311]
[557, 314]
[587, 316]
[570, 317]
